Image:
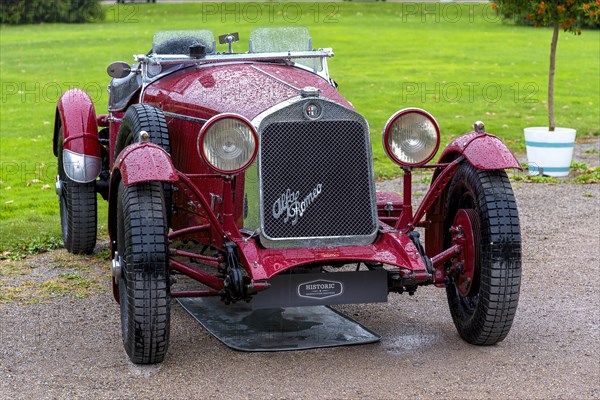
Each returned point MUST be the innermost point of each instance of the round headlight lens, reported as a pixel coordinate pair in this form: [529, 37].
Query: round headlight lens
[411, 137]
[228, 143]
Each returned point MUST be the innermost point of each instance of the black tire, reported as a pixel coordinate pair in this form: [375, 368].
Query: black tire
[143, 117]
[78, 210]
[144, 279]
[485, 318]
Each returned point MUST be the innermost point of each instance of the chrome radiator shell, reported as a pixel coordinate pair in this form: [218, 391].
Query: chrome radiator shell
[315, 177]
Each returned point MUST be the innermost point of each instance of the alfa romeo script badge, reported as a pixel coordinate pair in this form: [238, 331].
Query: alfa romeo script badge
[320, 289]
[292, 207]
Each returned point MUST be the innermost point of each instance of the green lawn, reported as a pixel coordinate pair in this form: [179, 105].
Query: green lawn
[457, 61]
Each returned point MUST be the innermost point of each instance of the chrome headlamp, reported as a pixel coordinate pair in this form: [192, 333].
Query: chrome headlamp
[228, 143]
[411, 137]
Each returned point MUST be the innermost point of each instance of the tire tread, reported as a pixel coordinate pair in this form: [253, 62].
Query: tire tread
[146, 336]
[501, 258]
[82, 217]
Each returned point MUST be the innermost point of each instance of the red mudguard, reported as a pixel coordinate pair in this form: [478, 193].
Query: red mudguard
[138, 162]
[144, 162]
[81, 144]
[483, 151]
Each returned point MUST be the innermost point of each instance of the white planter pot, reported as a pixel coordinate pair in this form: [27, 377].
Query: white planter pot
[549, 152]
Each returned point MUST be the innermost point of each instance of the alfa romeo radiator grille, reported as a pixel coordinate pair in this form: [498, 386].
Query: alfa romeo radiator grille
[316, 183]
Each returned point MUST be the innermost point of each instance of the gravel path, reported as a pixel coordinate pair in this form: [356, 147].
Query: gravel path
[72, 349]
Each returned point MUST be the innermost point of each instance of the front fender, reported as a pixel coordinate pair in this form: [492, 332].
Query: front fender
[75, 113]
[144, 162]
[481, 149]
[136, 163]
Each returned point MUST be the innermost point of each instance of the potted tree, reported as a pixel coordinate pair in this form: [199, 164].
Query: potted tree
[550, 148]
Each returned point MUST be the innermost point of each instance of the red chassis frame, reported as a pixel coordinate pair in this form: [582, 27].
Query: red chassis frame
[392, 247]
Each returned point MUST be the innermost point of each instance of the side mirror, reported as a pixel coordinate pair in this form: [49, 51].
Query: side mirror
[118, 69]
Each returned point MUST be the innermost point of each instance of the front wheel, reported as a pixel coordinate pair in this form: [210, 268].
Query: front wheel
[143, 279]
[485, 279]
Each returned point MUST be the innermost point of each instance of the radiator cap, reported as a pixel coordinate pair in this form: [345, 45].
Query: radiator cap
[310, 91]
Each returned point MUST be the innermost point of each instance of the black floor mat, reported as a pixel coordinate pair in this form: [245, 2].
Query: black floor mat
[277, 329]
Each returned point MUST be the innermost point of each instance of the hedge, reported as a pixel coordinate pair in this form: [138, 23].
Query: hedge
[37, 11]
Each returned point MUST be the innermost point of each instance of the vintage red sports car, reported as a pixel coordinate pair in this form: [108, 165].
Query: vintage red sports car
[257, 160]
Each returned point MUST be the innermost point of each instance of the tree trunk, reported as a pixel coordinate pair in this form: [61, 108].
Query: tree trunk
[551, 122]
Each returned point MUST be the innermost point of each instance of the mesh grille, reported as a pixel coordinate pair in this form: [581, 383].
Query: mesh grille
[316, 178]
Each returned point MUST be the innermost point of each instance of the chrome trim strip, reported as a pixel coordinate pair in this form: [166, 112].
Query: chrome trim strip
[81, 168]
[166, 59]
[256, 121]
[317, 241]
[185, 117]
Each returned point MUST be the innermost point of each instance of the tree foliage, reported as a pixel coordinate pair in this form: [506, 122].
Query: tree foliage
[567, 15]
[38, 11]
